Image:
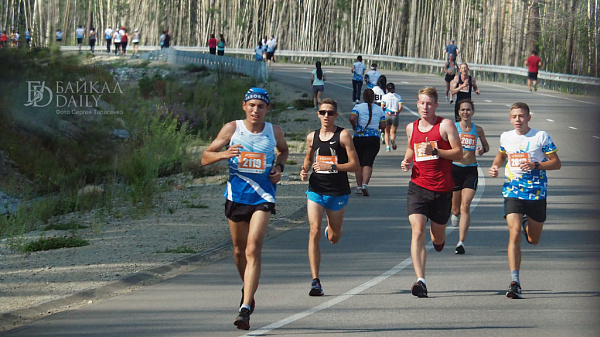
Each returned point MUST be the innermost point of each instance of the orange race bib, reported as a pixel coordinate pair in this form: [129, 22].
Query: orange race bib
[329, 160]
[252, 162]
[515, 159]
[468, 141]
[420, 149]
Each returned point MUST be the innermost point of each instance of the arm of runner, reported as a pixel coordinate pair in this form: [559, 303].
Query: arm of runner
[454, 88]
[484, 142]
[475, 86]
[353, 164]
[553, 163]
[213, 152]
[448, 129]
[498, 161]
[308, 158]
[282, 155]
[408, 156]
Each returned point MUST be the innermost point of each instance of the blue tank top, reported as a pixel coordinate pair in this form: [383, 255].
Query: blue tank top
[468, 140]
[249, 172]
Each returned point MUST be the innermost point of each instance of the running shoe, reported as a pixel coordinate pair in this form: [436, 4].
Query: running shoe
[438, 248]
[251, 305]
[524, 228]
[326, 232]
[387, 149]
[243, 320]
[365, 192]
[315, 288]
[359, 190]
[357, 102]
[382, 136]
[514, 290]
[460, 249]
[535, 87]
[394, 146]
[455, 220]
[451, 101]
[530, 90]
[419, 289]
[447, 99]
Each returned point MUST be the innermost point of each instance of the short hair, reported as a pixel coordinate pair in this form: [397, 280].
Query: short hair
[534, 52]
[520, 105]
[391, 86]
[329, 101]
[359, 58]
[429, 91]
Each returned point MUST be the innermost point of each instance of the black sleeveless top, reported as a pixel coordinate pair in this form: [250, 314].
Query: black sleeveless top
[461, 95]
[329, 183]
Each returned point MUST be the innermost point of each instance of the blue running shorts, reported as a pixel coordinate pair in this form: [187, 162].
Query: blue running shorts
[334, 203]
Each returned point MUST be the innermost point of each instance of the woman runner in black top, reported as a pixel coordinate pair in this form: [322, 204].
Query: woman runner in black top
[331, 154]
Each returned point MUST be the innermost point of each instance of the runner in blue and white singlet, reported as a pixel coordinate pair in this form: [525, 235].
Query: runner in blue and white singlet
[249, 181]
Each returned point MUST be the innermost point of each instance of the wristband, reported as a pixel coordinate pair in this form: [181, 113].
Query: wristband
[281, 165]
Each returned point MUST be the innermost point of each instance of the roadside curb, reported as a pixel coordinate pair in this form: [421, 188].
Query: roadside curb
[130, 283]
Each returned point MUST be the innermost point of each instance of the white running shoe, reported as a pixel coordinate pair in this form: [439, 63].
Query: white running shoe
[455, 220]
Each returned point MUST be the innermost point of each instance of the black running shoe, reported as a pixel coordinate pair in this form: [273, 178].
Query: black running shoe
[524, 228]
[459, 249]
[251, 305]
[514, 291]
[419, 289]
[316, 289]
[243, 320]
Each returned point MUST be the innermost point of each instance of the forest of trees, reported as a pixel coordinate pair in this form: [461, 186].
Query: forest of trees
[503, 32]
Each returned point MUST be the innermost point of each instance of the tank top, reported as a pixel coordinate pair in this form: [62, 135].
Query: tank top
[431, 172]
[249, 172]
[330, 151]
[463, 94]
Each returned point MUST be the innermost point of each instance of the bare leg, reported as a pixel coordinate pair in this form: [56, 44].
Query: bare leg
[417, 244]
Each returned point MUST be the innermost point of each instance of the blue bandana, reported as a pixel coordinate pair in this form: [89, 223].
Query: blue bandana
[257, 93]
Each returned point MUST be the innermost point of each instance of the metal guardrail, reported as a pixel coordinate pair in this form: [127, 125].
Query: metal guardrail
[508, 73]
[257, 70]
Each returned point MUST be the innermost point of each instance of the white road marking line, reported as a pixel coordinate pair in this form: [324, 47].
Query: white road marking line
[550, 120]
[488, 100]
[548, 95]
[572, 127]
[369, 284]
[596, 137]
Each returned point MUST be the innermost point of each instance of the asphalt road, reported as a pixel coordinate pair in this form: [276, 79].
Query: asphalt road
[367, 275]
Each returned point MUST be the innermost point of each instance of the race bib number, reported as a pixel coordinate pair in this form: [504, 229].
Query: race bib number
[515, 159]
[329, 160]
[252, 162]
[420, 149]
[468, 141]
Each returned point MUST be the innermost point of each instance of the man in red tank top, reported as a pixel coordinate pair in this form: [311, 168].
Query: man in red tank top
[433, 143]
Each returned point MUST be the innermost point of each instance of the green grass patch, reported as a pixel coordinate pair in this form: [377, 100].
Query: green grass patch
[42, 244]
[66, 226]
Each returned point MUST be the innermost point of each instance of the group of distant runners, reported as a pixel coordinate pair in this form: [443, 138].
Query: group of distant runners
[440, 154]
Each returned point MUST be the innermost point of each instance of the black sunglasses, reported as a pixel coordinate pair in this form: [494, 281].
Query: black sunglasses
[328, 112]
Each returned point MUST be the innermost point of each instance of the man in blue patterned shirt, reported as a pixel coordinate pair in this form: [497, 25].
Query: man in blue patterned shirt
[528, 154]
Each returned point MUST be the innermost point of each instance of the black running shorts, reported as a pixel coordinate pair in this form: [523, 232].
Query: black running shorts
[434, 205]
[535, 209]
[237, 212]
[464, 177]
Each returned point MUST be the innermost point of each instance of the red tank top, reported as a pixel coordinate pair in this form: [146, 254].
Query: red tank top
[431, 172]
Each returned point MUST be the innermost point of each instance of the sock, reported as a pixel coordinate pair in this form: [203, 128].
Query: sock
[515, 276]
[460, 243]
[246, 306]
[364, 186]
[422, 280]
